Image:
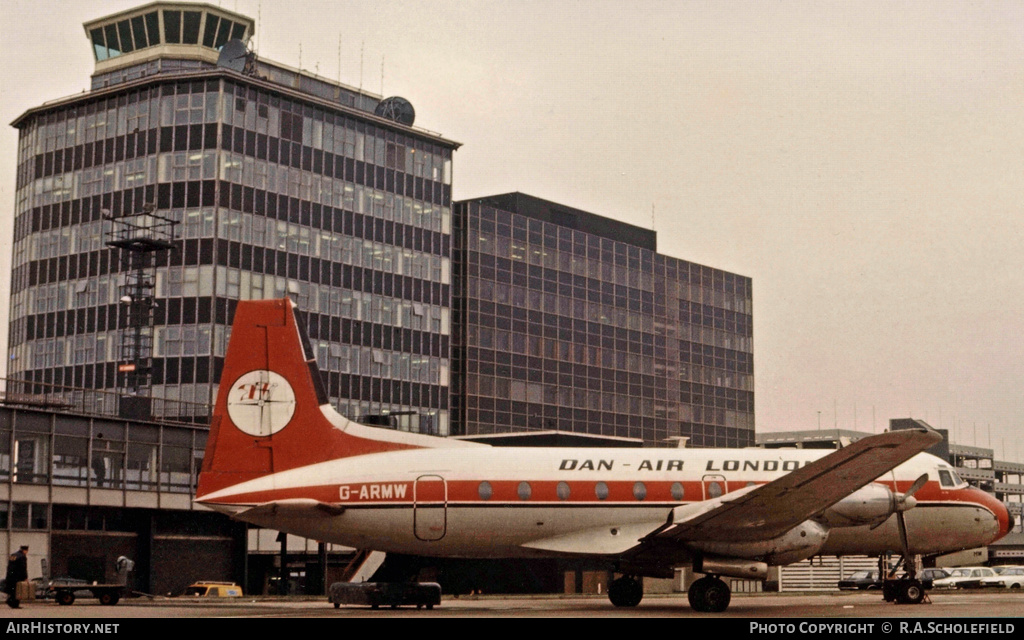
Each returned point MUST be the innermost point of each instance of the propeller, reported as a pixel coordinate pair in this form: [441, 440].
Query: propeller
[904, 502]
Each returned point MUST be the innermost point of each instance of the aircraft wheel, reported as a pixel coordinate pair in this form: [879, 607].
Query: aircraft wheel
[910, 592]
[625, 592]
[709, 595]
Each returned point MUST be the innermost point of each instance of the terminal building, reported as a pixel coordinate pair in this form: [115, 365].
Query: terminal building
[194, 174]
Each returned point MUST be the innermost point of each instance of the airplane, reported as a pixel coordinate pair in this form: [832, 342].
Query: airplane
[280, 457]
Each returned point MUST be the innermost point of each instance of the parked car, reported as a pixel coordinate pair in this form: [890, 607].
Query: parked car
[929, 576]
[861, 580]
[1007, 578]
[964, 578]
[214, 589]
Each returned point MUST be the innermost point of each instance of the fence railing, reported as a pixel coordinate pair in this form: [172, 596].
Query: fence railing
[100, 402]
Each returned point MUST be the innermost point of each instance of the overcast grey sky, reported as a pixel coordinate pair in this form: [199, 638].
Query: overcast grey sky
[861, 161]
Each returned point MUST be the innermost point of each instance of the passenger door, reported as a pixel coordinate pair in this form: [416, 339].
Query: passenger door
[430, 504]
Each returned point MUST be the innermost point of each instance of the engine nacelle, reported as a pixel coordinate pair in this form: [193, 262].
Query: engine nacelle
[869, 505]
[799, 543]
[746, 569]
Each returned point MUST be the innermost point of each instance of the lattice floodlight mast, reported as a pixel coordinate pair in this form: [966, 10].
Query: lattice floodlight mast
[140, 238]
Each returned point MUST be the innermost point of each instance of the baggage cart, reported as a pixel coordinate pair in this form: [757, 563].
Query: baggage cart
[385, 594]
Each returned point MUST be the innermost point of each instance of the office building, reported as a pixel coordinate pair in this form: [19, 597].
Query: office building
[572, 322]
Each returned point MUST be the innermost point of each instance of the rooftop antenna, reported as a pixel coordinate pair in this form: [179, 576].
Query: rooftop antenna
[361, 46]
[339, 57]
[300, 56]
[396, 108]
[382, 75]
[236, 56]
[259, 18]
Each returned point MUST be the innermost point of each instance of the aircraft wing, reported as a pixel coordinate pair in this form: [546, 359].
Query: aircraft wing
[767, 511]
[756, 513]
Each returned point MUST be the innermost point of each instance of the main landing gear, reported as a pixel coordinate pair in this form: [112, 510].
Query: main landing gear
[709, 594]
[626, 591]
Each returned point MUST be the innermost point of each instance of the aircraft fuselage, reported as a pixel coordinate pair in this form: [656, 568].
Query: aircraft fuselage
[495, 502]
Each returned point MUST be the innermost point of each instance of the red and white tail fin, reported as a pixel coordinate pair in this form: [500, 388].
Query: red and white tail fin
[273, 413]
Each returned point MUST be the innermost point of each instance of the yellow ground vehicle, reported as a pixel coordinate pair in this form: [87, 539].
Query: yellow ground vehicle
[213, 589]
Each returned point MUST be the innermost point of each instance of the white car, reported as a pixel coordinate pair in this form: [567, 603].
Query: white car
[964, 578]
[1008, 578]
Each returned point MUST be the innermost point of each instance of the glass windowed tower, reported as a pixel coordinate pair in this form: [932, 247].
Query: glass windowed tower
[282, 184]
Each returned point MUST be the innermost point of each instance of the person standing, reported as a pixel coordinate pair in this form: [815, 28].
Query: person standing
[17, 571]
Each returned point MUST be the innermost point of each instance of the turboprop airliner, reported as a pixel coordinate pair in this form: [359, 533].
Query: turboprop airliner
[280, 457]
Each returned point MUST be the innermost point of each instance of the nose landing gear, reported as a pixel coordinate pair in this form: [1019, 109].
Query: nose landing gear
[906, 589]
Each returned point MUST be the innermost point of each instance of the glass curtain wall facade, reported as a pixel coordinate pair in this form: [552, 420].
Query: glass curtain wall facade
[278, 193]
[573, 322]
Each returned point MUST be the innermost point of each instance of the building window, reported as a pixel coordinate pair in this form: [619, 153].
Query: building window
[31, 459]
[30, 515]
[70, 461]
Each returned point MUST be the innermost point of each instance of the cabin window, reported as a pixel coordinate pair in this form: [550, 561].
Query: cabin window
[601, 491]
[639, 491]
[562, 490]
[524, 491]
[677, 490]
[485, 491]
[714, 489]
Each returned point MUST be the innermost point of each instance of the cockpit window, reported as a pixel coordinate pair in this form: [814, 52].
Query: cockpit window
[945, 478]
[949, 478]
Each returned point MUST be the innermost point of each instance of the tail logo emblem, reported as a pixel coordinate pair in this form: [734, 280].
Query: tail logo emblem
[261, 403]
